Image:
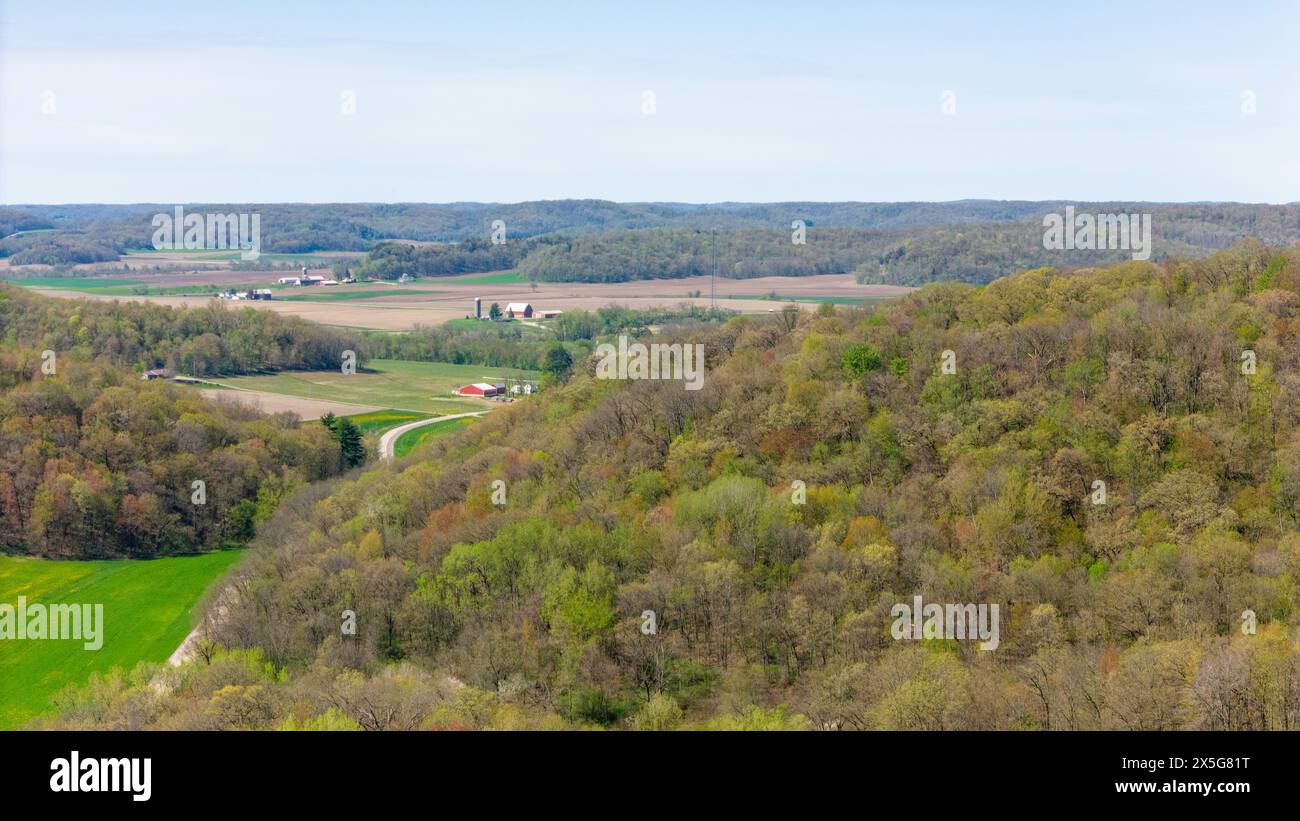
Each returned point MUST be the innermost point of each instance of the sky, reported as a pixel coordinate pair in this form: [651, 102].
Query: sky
[233, 101]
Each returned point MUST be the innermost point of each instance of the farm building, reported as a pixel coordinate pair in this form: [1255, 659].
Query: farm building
[258, 293]
[517, 309]
[548, 314]
[478, 389]
[289, 281]
[157, 373]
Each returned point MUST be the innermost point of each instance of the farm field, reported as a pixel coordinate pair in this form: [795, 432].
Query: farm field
[423, 387]
[275, 402]
[780, 299]
[92, 285]
[341, 294]
[191, 263]
[134, 286]
[148, 611]
[141, 256]
[498, 278]
[411, 440]
[382, 420]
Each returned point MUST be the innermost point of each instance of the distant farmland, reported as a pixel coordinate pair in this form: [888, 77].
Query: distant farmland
[394, 306]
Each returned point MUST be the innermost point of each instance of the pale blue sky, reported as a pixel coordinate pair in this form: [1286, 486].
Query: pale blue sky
[497, 101]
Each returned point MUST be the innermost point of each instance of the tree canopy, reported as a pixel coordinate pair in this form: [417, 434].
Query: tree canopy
[729, 557]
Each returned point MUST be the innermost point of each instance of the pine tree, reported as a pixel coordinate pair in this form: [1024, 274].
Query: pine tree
[558, 361]
[350, 442]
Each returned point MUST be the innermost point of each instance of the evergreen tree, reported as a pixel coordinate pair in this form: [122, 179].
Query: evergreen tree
[558, 361]
[350, 442]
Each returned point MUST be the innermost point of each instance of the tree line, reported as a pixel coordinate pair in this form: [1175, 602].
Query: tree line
[203, 341]
[597, 241]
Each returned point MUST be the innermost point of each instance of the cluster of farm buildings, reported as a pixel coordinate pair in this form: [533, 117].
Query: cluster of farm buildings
[256, 293]
[311, 279]
[515, 310]
[490, 390]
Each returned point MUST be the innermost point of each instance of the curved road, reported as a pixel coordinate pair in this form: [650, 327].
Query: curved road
[389, 440]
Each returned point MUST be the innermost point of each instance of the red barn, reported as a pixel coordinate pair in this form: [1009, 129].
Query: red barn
[478, 389]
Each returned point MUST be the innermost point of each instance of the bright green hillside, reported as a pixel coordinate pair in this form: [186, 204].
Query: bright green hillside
[148, 611]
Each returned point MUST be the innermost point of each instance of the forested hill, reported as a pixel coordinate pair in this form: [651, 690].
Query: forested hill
[1121, 605]
[345, 225]
[600, 241]
[96, 463]
[13, 221]
[205, 341]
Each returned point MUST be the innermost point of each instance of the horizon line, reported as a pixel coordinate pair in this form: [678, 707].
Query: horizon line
[682, 203]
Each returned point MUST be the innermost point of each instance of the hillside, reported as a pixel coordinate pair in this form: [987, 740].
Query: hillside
[772, 610]
[97, 463]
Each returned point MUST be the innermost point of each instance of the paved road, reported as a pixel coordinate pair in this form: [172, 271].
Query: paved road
[389, 440]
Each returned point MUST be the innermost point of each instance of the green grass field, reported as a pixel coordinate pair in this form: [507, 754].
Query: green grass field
[380, 421]
[148, 612]
[501, 326]
[833, 300]
[131, 286]
[311, 260]
[125, 286]
[423, 387]
[412, 439]
[343, 293]
[498, 278]
[88, 284]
